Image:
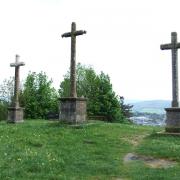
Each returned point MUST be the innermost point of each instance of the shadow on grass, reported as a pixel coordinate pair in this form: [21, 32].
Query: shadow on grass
[4, 122]
[62, 124]
[56, 124]
[162, 136]
[35, 143]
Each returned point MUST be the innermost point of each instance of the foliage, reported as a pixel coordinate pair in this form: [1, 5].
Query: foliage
[3, 110]
[108, 101]
[7, 90]
[102, 100]
[6, 95]
[126, 108]
[38, 97]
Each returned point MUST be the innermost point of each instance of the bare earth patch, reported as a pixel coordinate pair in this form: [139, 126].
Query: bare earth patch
[135, 140]
[149, 161]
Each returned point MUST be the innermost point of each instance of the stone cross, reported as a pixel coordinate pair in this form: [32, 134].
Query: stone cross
[73, 35]
[174, 46]
[17, 65]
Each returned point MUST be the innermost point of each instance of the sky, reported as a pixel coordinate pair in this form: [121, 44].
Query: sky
[123, 40]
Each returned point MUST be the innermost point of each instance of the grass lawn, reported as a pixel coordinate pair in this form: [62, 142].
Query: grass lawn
[39, 149]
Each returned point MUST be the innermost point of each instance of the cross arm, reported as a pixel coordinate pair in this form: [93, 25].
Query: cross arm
[17, 64]
[66, 34]
[166, 46]
[81, 32]
[169, 46]
[76, 33]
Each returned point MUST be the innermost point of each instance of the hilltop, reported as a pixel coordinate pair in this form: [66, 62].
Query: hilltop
[41, 149]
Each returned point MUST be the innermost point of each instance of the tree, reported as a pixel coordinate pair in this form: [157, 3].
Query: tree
[6, 96]
[7, 90]
[126, 108]
[102, 100]
[38, 97]
[3, 110]
[108, 100]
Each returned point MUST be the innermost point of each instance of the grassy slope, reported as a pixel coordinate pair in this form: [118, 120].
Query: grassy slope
[49, 150]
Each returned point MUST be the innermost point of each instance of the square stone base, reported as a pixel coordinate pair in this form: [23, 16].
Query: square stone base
[72, 110]
[15, 114]
[172, 120]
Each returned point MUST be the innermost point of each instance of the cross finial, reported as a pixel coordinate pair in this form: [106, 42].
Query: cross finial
[174, 34]
[73, 31]
[17, 58]
[17, 63]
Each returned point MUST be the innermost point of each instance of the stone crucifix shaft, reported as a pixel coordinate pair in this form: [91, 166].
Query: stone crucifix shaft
[17, 65]
[73, 35]
[174, 46]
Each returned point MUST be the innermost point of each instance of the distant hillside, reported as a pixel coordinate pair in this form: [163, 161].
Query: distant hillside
[154, 106]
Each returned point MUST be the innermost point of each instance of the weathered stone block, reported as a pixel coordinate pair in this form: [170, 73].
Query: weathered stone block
[173, 120]
[15, 114]
[73, 110]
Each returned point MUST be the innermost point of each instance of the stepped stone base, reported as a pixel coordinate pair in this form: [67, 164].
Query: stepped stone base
[72, 110]
[172, 120]
[15, 114]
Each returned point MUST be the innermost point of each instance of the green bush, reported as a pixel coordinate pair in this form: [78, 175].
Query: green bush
[38, 96]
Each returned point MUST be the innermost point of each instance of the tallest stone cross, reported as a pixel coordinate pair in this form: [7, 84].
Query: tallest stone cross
[73, 108]
[173, 113]
[73, 35]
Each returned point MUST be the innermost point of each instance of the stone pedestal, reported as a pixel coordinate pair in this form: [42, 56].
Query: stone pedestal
[73, 110]
[15, 114]
[173, 120]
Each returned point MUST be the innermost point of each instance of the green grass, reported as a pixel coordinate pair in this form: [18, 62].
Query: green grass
[42, 149]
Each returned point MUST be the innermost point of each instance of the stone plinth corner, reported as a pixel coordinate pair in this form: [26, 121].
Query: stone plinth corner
[172, 120]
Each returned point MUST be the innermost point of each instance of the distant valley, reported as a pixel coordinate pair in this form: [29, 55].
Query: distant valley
[153, 106]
